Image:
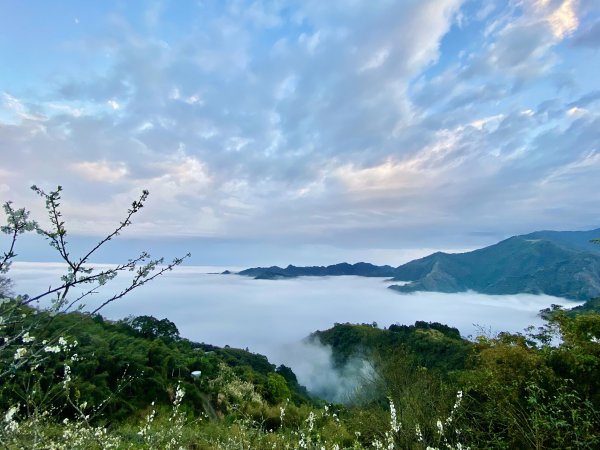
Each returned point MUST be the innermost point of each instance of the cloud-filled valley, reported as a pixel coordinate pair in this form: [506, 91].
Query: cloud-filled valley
[273, 317]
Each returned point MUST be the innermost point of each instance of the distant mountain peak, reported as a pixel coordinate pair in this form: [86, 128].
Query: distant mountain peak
[563, 264]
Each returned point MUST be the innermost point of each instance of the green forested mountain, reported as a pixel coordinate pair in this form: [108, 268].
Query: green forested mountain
[431, 345]
[521, 264]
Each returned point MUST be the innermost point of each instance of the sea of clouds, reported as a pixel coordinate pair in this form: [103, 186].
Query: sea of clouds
[273, 317]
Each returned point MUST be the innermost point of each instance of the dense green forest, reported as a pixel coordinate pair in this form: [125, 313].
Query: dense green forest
[70, 379]
[516, 391]
[135, 362]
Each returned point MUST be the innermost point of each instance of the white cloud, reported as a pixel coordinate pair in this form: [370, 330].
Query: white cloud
[377, 60]
[105, 171]
[188, 171]
[557, 179]
[388, 178]
[310, 42]
[564, 20]
[65, 108]
[575, 111]
[113, 104]
[18, 108]
[480, 123]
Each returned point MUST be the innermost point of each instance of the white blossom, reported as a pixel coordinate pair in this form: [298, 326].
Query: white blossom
[52, 349]
[27, 338]
[19, 353]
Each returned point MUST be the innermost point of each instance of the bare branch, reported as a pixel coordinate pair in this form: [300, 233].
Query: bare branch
[17, 223]
[135, 207]
[18, 345]
[141, 279]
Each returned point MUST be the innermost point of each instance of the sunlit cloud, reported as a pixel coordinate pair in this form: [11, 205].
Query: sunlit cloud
[564, 20]
[100, 170]
[576, 111]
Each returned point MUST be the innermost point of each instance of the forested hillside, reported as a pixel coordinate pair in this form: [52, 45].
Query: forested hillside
[137, 384]
[136, 362]
[430, 345]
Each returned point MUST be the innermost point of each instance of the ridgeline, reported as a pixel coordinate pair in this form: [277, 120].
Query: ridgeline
[562, 264]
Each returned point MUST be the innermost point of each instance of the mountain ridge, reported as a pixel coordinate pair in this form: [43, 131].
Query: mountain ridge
[559, 263]
[361, 269]
[515, 265]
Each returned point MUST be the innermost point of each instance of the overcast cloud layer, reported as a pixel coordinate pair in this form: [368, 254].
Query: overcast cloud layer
[353, 123]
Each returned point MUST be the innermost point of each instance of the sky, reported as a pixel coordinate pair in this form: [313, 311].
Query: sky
[304, 132]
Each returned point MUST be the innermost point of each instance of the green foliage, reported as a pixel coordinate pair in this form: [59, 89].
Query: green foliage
[590, 306]
[5, 287]
[539, 390]
[518, 392]
[525, 392]
[277, 388]
[430, 345]
[150, 327]
[422, 395]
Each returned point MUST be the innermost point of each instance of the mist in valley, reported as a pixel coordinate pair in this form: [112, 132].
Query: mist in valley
[275, 317]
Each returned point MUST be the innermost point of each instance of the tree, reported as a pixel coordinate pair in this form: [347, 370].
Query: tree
[151, 327]
[21, 344]
[277, 388]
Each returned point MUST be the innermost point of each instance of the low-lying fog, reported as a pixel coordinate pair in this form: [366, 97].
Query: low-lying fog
[272, 317]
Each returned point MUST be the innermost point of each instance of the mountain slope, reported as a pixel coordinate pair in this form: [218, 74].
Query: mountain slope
[521, 264]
